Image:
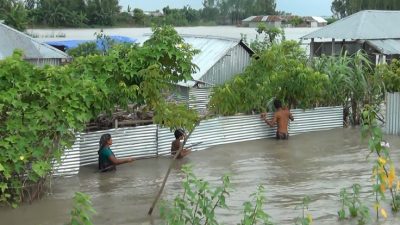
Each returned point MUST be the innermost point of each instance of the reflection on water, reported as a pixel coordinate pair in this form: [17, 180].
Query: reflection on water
[316, 164]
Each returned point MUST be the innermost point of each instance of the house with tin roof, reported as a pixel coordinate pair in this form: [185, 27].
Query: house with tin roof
[35, 52]
[219, 60]
[284, 21]
[374, 31]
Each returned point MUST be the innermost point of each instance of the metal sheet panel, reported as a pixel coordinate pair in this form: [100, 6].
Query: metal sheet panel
[386, 46]
[70, 161]
[322, 118]
[199, 98]
[153, 141]
[225, 130]
[135, 142]
[393, 113]
[232, 63]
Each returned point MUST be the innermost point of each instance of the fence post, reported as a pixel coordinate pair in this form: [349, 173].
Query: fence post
[157, 130]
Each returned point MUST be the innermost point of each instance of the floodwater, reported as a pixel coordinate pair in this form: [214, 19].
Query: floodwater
[317, 164]
[221, 31]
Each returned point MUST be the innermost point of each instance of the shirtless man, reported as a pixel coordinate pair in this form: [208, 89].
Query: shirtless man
[281, 117]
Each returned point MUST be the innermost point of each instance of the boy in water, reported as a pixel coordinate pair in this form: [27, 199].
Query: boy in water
[176, 144]
[281, 117]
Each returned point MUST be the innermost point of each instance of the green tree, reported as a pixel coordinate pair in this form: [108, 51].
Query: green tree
[42, 108]
[139, 16]
[343, 8]
[281, 72]
[102, 12]
[17, 16]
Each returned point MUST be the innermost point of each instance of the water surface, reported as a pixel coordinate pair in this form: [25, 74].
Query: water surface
[317, 164]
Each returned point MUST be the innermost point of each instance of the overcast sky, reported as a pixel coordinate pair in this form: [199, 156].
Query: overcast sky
[298, 7]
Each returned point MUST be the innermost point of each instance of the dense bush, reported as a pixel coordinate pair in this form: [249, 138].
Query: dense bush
[42, 108]
[280, 72]
[391, 75]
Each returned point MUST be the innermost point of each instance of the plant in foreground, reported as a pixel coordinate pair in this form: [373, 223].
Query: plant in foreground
[82, 210]
[198, 203]
[306, 218]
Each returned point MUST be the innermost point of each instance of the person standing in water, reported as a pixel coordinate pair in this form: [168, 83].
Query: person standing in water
[176, 144]
[281, 117]
[107, 159]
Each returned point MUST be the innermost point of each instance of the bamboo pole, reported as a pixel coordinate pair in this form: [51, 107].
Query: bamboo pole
[169, 170]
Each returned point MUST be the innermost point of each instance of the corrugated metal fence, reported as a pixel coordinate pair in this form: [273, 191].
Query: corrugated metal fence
[152, 141]
[393, 113]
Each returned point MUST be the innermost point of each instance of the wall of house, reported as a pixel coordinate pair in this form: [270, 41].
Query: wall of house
[393, 113]
[234, 62]
[43, 62]
[325, 48]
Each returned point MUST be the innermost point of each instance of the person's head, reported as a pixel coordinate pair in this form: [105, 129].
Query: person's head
[105, 140]
[277, 103]
[179, 133]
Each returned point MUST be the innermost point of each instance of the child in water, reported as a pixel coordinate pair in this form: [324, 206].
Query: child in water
[281, 118]
[107, 159]
[176, 144]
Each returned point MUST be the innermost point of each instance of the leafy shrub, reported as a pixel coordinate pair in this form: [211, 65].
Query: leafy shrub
[279, 72]
[82, 210]
[391, 75]
[199, 201]
[42, 108]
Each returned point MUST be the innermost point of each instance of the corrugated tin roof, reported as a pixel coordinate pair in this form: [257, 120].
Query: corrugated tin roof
[387, 46]
[364, 25]
[273, 18]
[212, 49]
[249, 19]
[11, 39]
[319, 19]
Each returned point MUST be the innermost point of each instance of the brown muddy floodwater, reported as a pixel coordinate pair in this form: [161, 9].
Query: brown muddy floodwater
[316, 164]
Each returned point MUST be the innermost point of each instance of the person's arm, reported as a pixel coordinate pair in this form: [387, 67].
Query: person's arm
[291, 116]
[272, 122]
[116, 161]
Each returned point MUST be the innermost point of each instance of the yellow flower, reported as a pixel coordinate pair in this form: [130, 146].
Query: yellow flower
[391, 176]
[382, 160]
[309, 218]
[383, 188]
[22, 158]
[398, 186]
[383, 212]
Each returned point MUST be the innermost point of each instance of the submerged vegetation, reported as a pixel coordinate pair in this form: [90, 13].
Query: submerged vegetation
[42, 108]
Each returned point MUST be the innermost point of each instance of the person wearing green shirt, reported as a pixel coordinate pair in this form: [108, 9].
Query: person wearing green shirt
[107, 159]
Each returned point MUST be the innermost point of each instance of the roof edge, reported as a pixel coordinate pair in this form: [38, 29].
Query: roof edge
[36, 41]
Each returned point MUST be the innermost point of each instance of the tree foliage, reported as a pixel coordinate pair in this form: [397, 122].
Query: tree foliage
[81, 13]
[14, 14]
[42, 108]
[279, 72]
[391, 75]
[343, 8]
